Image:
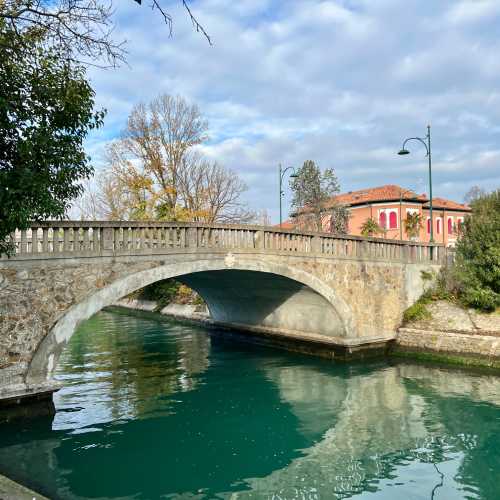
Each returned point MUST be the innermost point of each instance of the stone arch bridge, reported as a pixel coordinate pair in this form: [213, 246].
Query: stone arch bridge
[338, 293]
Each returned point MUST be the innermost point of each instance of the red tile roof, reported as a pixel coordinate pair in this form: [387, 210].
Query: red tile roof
[389, 192]
[287, 224]
[447, 204]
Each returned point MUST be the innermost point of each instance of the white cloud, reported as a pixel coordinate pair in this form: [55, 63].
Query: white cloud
[472, 11]
[341, 82]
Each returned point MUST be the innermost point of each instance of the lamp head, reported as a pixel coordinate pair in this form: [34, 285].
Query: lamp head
[294, 175]
[403, 152]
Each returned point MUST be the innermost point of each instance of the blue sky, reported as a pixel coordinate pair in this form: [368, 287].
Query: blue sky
[341, 82]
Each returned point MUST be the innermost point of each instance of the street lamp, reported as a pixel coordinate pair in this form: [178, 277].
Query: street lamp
[426, 141]
[282, 193]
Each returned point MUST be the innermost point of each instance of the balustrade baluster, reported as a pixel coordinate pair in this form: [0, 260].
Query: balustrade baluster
[66, 241]
[96, 242]
[45, 240]
[24, 244]
[127, 238]
[86, 242]
[55, 240]
[34, 240]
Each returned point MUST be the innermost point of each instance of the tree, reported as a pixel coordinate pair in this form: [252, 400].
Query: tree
[477, 265]
[159, 135]
[82, 30]
[370, 227]
[153, 172]
[413, 224]
[262, 218]
[212, 193]
[311, 190]
[473, 194]
[338, 221]
[46, 111]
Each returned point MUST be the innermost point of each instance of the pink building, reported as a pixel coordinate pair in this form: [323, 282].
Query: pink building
[389, 205]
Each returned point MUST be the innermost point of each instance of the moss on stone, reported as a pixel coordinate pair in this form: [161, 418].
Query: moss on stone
[449, 359]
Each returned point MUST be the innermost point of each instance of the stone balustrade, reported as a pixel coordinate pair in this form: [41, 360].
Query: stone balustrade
[63, 239]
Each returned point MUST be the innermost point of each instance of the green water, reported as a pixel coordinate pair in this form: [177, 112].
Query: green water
[154, 409]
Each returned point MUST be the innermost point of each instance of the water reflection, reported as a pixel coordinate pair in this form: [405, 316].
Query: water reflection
[157, 409]
[118, 366]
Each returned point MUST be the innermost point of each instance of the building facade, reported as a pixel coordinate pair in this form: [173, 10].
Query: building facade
[389, 207]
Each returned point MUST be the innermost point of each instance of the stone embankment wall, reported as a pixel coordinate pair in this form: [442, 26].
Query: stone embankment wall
[452, 334]
[186, 311]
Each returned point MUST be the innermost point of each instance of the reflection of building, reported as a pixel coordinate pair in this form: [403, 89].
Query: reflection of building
[389, 206]
[379, 423]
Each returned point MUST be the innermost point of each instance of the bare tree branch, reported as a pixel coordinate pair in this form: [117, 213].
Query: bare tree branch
[81, 29]
[154, 173]
[196, 24]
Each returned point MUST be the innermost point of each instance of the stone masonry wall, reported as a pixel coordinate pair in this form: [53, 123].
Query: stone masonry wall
[35, 295]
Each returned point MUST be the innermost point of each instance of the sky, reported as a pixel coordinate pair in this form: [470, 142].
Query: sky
[340, 82]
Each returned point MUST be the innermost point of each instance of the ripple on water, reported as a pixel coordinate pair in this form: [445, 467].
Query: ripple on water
[155, 409]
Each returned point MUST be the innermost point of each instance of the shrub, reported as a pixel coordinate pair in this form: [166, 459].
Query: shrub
[477, 264]
[416, 312]
[413, 224]
[370, 227]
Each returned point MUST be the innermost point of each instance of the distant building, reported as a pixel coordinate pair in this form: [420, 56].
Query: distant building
[389, 205]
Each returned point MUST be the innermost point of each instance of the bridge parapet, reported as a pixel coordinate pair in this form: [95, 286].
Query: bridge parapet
[63, 239]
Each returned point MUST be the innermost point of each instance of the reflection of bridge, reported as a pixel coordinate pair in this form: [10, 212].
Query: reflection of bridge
[336, 292]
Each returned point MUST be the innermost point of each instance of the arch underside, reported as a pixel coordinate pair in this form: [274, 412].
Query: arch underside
[249, 292]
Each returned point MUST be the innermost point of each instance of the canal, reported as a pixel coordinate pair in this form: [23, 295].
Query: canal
[157, 409]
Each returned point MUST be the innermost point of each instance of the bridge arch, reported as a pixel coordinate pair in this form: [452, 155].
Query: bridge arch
[335, 311]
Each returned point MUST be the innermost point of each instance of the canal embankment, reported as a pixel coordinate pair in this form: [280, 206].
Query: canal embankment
[10, 490]
[193, 312]
[449, 333]
[453, 334]
[340, 348]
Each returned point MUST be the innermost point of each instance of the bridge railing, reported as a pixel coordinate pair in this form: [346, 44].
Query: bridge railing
[87, 238]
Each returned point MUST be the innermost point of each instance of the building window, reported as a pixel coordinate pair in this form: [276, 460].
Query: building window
[382, 220]
[428, 226]
[438, 225]
[393, 220]
[412, 211]
[450, 225]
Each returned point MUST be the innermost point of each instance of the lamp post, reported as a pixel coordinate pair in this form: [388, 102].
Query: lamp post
[282, 193]
[426, 141]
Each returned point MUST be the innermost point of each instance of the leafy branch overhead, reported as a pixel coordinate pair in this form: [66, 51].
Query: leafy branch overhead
[81, 30]
[46, 112]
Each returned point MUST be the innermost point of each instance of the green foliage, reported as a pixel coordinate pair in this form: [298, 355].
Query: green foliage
[46, 111]
[477, 264]
[413, 224]
[311, 190]
[163, 292]
[416, 312]
[427, 275]
[167, 291]
[370, 227]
